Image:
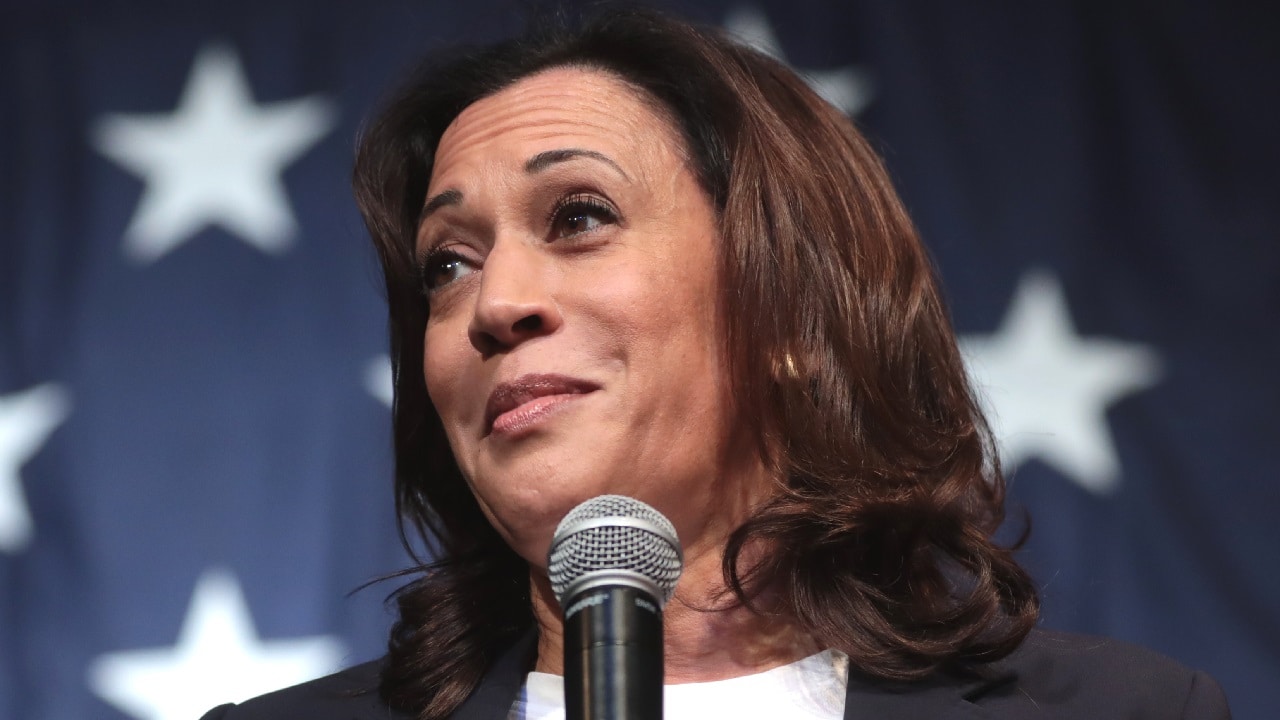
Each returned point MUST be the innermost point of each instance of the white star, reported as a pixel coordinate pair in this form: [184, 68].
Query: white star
[378, 379]
[216, 160]
[218, 659]
[26, 420]
[849, 88]
[1047, 389]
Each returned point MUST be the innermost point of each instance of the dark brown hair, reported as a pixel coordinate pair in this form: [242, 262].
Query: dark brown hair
[841, 354]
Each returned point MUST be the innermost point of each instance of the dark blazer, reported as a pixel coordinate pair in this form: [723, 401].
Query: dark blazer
[1052, 676]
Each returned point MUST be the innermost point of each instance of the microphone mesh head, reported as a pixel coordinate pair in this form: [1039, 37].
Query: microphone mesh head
[613, 533]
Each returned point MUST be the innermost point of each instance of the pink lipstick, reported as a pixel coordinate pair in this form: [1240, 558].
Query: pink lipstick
[517, 405]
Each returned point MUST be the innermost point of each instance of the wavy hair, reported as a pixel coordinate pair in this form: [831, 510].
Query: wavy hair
[840, 349]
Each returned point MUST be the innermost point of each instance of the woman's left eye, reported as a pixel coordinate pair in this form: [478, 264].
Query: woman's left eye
[580, 214]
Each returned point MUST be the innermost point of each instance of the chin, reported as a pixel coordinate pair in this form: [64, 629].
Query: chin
[527, 509]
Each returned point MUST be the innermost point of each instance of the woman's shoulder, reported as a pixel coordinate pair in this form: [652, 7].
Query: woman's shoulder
[350, 693]
[1101, 677]
[1052, 675]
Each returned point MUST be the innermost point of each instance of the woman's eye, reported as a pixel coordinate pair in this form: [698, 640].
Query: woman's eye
[442, 267]
[580, 214]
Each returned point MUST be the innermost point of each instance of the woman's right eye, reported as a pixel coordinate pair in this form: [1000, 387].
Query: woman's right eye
[441, 267]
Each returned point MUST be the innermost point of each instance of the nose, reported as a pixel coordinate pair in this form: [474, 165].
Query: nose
[515, 303]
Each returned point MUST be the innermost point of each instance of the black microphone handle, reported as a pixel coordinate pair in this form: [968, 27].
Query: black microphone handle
[613, 655]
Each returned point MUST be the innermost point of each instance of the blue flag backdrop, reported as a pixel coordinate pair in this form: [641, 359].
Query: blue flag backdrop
[194, 427]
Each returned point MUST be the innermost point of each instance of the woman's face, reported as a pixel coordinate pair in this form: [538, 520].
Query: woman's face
[573, 347]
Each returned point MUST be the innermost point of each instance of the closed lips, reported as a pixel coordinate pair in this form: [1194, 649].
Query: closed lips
[508, 396]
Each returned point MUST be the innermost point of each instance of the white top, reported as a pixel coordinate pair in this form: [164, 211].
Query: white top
[808, 689]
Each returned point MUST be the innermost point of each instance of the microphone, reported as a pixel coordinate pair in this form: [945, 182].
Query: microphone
[613, 565]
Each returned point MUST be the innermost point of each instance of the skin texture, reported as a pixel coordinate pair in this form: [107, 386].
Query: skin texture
[599, 266]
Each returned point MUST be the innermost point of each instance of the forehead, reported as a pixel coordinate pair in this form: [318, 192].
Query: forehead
[555, 109]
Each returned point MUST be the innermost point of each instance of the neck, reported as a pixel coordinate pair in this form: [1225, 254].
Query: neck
[707, 635]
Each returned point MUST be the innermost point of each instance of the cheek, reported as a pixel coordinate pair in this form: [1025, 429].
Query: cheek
[662, 318]
[676, 298]
[442, 367]
[638, 312]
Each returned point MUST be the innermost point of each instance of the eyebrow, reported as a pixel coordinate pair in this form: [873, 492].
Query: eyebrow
[536, 164]
[544, 160]
[448, 197]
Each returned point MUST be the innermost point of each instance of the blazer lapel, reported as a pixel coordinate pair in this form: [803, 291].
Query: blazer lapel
[942, 697]
[493, 698]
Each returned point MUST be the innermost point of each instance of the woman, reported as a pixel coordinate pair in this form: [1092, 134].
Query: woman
[634, 257]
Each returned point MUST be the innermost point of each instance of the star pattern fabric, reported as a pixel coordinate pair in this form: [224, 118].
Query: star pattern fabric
[849, 88]
[218, 658]
[379, 380]
[27, 419]
[1047, 389]
[215, 160]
